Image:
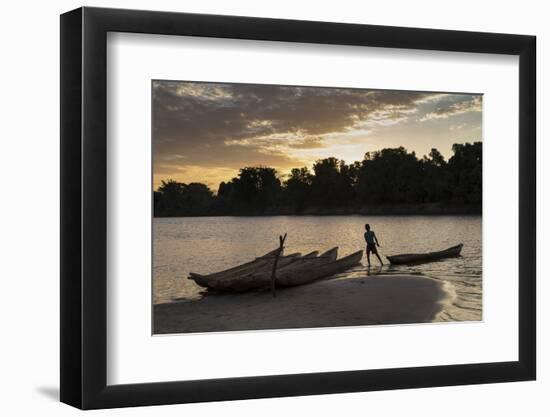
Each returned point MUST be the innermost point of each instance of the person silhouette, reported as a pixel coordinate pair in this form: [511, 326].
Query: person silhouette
[372, 242]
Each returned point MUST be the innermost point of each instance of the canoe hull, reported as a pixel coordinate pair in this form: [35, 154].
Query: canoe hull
[290, 272]
[263, 280]
[322, 271]
[261, 264]
[239, 268]
[416, 258]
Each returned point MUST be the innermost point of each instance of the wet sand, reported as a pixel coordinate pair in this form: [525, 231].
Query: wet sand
[378, 299]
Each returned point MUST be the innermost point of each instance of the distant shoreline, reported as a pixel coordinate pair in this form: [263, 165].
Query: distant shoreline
[379, 210]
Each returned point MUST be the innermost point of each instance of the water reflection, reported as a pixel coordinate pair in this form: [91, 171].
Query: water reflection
[209, 244]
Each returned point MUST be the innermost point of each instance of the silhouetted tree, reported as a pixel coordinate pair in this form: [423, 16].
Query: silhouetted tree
[197, 199]
[465, 173]
[178, 199]
[332, 183]
[171, 192]
[435, 158]
[298, 188]
[435, 178]
[255, 189]
[388, 176]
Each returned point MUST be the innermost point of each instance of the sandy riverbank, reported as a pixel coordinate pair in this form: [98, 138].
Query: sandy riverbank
[380, 299]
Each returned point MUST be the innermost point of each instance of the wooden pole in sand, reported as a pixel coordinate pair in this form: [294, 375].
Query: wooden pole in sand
[277, 255]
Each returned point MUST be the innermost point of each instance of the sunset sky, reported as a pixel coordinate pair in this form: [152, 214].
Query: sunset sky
[206, 132]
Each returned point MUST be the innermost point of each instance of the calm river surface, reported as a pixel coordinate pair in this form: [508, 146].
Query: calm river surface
[210, 244]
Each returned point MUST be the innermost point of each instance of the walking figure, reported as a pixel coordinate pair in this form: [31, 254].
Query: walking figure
[372, 243]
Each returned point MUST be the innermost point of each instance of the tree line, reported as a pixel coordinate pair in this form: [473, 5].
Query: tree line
[384, 178]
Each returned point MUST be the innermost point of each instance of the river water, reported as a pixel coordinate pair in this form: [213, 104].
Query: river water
[209, 244]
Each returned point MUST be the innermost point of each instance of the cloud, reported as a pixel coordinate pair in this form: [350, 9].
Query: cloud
[309, 142]
[218, 112]
[466, 104]
[188, 115]
[458, 126]
[224, 127]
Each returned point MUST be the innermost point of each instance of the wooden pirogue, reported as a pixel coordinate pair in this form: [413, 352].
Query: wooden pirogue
[291, 270]
[413, 258]
[262, 263]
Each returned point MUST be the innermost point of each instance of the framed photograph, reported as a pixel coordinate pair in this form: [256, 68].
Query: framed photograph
[258, 208]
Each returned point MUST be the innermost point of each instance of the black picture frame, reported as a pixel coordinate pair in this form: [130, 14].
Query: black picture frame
[84, 207]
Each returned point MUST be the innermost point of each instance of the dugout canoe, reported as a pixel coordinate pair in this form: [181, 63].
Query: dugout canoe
[264, 264]
[414, 258]
[290, 277]
[284, 274]
[305, 276]
[242, 267]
